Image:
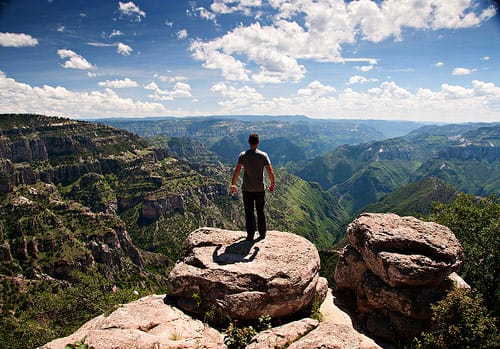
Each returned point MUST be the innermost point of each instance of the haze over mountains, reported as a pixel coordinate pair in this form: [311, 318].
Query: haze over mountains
[285, 138]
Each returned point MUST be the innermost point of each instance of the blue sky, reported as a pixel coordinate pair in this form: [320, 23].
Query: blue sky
[424, 60]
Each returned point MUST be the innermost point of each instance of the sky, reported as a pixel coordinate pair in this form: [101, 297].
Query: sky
[419, 60]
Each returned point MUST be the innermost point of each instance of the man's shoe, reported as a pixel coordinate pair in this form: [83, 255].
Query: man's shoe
[250, 237]
[262, 236]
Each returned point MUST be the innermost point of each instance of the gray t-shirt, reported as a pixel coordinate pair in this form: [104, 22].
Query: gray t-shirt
[253, 161]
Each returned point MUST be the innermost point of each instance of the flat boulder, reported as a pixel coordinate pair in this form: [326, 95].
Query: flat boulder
[144, 324]
[221, 271]
[405, 251]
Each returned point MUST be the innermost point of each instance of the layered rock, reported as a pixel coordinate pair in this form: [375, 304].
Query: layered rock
[396, 267]
[277, 276]
[155, 207]
[404, 250]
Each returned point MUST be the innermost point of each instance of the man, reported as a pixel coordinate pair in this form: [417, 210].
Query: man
[254, 161]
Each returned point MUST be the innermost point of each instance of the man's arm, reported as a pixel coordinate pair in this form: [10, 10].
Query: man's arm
[270, 174]
[236, 173]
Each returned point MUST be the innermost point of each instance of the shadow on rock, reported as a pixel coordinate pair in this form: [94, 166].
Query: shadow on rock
[235, 253]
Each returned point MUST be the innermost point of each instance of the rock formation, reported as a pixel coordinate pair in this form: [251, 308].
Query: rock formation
[277, 276]
[396, 267]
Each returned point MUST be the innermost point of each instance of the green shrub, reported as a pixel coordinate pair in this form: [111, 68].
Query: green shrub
[238, 337]
[460, 321]
[78, 345]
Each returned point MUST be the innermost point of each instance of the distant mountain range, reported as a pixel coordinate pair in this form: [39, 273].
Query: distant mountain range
[358, 162]
[466, 157]
[285, 138]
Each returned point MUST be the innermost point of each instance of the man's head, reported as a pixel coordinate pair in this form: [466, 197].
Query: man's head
[253, 139]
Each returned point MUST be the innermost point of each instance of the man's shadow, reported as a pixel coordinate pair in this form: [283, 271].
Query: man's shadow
[236, 253]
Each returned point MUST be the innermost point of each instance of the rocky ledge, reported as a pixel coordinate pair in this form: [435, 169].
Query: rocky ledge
[277, 276]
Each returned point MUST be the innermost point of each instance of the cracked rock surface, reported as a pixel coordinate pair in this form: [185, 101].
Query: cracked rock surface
[405, 251]
[277, 276]
[145, 323]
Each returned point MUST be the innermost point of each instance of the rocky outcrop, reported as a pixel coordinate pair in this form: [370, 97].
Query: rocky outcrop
[335, 330]
[221, 268]
[405, 251]
[395, 268]
[155, 207]
[143, 324]
[277, 276]
[486, 151]
[55, 150]
[150, 323]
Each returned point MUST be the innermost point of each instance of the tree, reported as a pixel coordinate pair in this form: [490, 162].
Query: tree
[459, 322]
[476, 224]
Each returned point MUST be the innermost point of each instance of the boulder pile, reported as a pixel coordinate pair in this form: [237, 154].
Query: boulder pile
[395, 268]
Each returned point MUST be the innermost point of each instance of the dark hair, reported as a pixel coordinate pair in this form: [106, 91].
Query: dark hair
[253, 138]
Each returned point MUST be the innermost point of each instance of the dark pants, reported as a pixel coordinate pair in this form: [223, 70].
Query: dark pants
[257, 200]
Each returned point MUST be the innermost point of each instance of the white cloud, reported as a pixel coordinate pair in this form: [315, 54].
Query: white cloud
[73, 60]
[123, 49]
[244, 97]
[205, 14]
[115, 32]
[180, 90]
[100, 44]
[365, 68]
[131, 9]
[231, 6]
[455, 92]
[16, 97]
[231, 68]
[486, 89]
[451, 103]
[317, 29]
[463, 71]
[439, 64]
[358, 79]
[386, 101]
[485, 58]
[316, 89]
[182, 34]
[61, 28]
[452, 14]
[118, 83]
[166, 78]
[17, 40]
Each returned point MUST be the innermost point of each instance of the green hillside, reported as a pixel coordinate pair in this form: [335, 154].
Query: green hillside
[464, 156]
[415, 199]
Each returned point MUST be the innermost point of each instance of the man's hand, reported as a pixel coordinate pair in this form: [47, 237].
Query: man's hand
[271, 188]
[234, 190]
